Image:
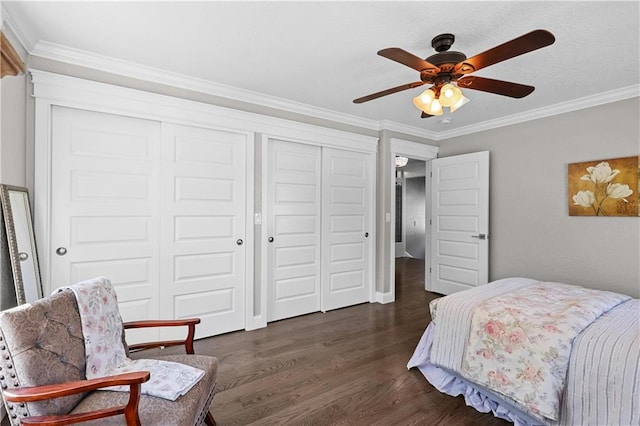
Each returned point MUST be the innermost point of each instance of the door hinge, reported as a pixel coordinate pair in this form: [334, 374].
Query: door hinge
[429, 269]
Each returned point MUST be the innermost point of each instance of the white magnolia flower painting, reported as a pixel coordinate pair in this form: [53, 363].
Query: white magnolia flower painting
[605, 187]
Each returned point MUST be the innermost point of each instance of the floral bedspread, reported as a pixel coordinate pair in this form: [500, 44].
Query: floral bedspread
[102, 329]
[519, 344]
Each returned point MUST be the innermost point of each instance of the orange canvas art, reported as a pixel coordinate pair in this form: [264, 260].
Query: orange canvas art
[605, 187]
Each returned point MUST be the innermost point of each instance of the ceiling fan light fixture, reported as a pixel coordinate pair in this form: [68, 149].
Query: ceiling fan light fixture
[435, 108]
[401, 161]
[423, 100]
[449, 95]
[463, 100]
[427, 102]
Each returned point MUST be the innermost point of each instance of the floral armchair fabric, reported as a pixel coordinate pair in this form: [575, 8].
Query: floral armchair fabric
[42, 344]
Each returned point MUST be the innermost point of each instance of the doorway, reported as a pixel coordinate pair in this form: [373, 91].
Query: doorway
[410, 214]
[420, 156]
[411, 204]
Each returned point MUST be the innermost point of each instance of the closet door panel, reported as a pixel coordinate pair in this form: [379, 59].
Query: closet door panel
[105, 201]
[203, 228]
[346, 225]
[293, 204]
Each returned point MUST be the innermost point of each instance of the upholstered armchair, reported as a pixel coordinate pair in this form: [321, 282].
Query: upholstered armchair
[43, 381]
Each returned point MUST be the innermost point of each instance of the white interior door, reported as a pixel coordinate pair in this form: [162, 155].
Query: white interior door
[293, 247]
[460, 229]
[346, 228]
[105, 199]
[203, 231]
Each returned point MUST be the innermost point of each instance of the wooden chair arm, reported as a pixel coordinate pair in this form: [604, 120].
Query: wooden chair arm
[187, 342]
[39, 393]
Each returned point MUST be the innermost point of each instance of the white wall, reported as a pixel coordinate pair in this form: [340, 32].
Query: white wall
[531, 232]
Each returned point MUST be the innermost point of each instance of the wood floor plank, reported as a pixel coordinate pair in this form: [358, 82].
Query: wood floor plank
[343, 367]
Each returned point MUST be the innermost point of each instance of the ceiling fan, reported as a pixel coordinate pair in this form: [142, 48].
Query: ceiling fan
[445, 68]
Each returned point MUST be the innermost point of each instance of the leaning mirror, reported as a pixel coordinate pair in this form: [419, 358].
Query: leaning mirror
[21, 242]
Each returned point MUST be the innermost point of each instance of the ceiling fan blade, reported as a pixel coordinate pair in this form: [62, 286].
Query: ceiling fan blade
[388, 92]
[518, 46]
[409, 59]
[425, 115]
[499, 87]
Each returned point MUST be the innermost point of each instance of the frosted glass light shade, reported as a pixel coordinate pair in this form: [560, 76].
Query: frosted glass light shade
[401, 161]
[459, 103]
[435, 108]
[427, 103]
[449, 95]
[423, 101]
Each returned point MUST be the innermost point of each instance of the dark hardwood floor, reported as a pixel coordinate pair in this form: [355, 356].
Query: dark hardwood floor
[343, 367]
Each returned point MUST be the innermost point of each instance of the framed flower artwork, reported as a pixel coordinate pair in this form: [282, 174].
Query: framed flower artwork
[605, 187]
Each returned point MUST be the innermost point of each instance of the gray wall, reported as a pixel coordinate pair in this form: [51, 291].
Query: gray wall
[12, 169]
[13, 100]
[531, 233]
[13, 158]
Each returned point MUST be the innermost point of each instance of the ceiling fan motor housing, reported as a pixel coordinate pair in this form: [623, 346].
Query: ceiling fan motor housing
[443, 42]
[444, 59]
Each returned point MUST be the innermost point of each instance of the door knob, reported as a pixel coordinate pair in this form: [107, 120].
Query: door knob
[23, 256]
[239, 242]
[366, 235]
[479, 236]
[270, 239]
[61, 251]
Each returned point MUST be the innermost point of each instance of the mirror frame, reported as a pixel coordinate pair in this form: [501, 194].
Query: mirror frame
[12, 240]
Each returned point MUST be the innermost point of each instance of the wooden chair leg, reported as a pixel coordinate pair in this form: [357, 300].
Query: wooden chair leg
[209, 420]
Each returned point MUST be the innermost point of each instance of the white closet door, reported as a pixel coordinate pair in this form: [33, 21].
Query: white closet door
[293, 204]
[203, 228]
[346, 228]
[105, 203]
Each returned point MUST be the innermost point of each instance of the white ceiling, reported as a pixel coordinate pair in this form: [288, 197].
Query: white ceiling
[323, 54]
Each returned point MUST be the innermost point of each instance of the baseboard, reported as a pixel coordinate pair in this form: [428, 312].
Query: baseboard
[255, 323]
[385, 297]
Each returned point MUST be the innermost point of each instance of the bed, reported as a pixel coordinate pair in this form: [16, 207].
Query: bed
[536, 353]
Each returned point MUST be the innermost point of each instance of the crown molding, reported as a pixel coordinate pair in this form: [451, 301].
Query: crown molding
[128, 69]
[547, 111]
[83, 58]
[410, 130]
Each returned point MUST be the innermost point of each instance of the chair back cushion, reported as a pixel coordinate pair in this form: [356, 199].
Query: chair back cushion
[42, 344]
